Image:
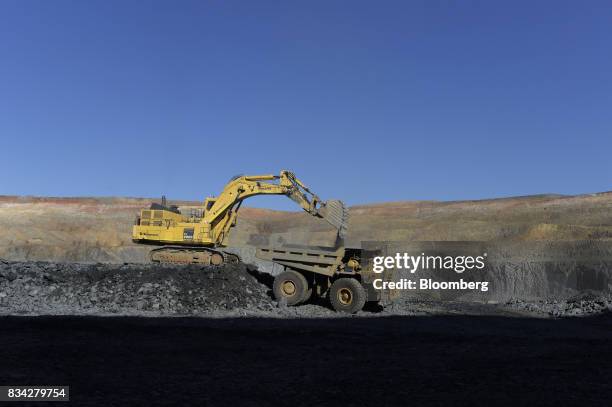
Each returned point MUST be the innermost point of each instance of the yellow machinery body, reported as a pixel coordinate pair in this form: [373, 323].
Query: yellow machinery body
[164, 226]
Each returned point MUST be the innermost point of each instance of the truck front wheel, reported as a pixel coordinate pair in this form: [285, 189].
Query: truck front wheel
[291, 286]
[347, 295]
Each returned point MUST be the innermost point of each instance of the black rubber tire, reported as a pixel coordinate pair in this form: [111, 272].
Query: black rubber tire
[307, 295]
[285, 280]
[347, 295]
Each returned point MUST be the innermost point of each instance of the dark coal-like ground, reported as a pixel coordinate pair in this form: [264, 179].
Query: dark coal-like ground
[42, 288]
[129, 289]
[218, 338]
[385, 361]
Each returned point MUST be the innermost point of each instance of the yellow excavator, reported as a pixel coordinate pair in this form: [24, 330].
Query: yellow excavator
[196, 237]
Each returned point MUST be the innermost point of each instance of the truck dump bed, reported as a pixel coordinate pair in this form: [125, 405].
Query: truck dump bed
[315, 260]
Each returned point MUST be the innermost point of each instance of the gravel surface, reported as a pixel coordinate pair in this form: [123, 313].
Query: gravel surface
[42, 288]
[586, 303]
[139, 289]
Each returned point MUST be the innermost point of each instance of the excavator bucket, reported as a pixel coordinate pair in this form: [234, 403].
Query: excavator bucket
[336, 213]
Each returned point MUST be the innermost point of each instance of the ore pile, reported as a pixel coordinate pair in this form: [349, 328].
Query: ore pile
[42, 288]
[129, 289]
[586, 303]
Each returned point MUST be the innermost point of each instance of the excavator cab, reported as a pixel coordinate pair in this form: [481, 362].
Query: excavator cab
[209, 202]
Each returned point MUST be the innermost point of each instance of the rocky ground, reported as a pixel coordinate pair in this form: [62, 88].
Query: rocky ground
[587, 303]
[82, 325]
[72, 288]
[42, 288]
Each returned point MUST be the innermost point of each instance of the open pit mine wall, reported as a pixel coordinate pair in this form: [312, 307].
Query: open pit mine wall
[513, 270]
[91, 230]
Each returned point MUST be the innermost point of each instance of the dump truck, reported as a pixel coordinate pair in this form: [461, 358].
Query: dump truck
[343, 275]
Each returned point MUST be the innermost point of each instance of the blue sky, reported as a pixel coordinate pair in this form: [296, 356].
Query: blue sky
[365, 101]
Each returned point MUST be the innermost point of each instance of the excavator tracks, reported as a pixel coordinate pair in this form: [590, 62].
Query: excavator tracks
[192, 255]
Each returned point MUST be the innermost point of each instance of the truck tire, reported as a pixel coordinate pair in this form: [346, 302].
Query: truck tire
[290, 285]
[347, 295]
[307, 295]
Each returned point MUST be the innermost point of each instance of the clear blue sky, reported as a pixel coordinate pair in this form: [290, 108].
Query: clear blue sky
[365, 101]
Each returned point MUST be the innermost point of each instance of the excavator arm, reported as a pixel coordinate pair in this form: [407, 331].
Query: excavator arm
[222, 214]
